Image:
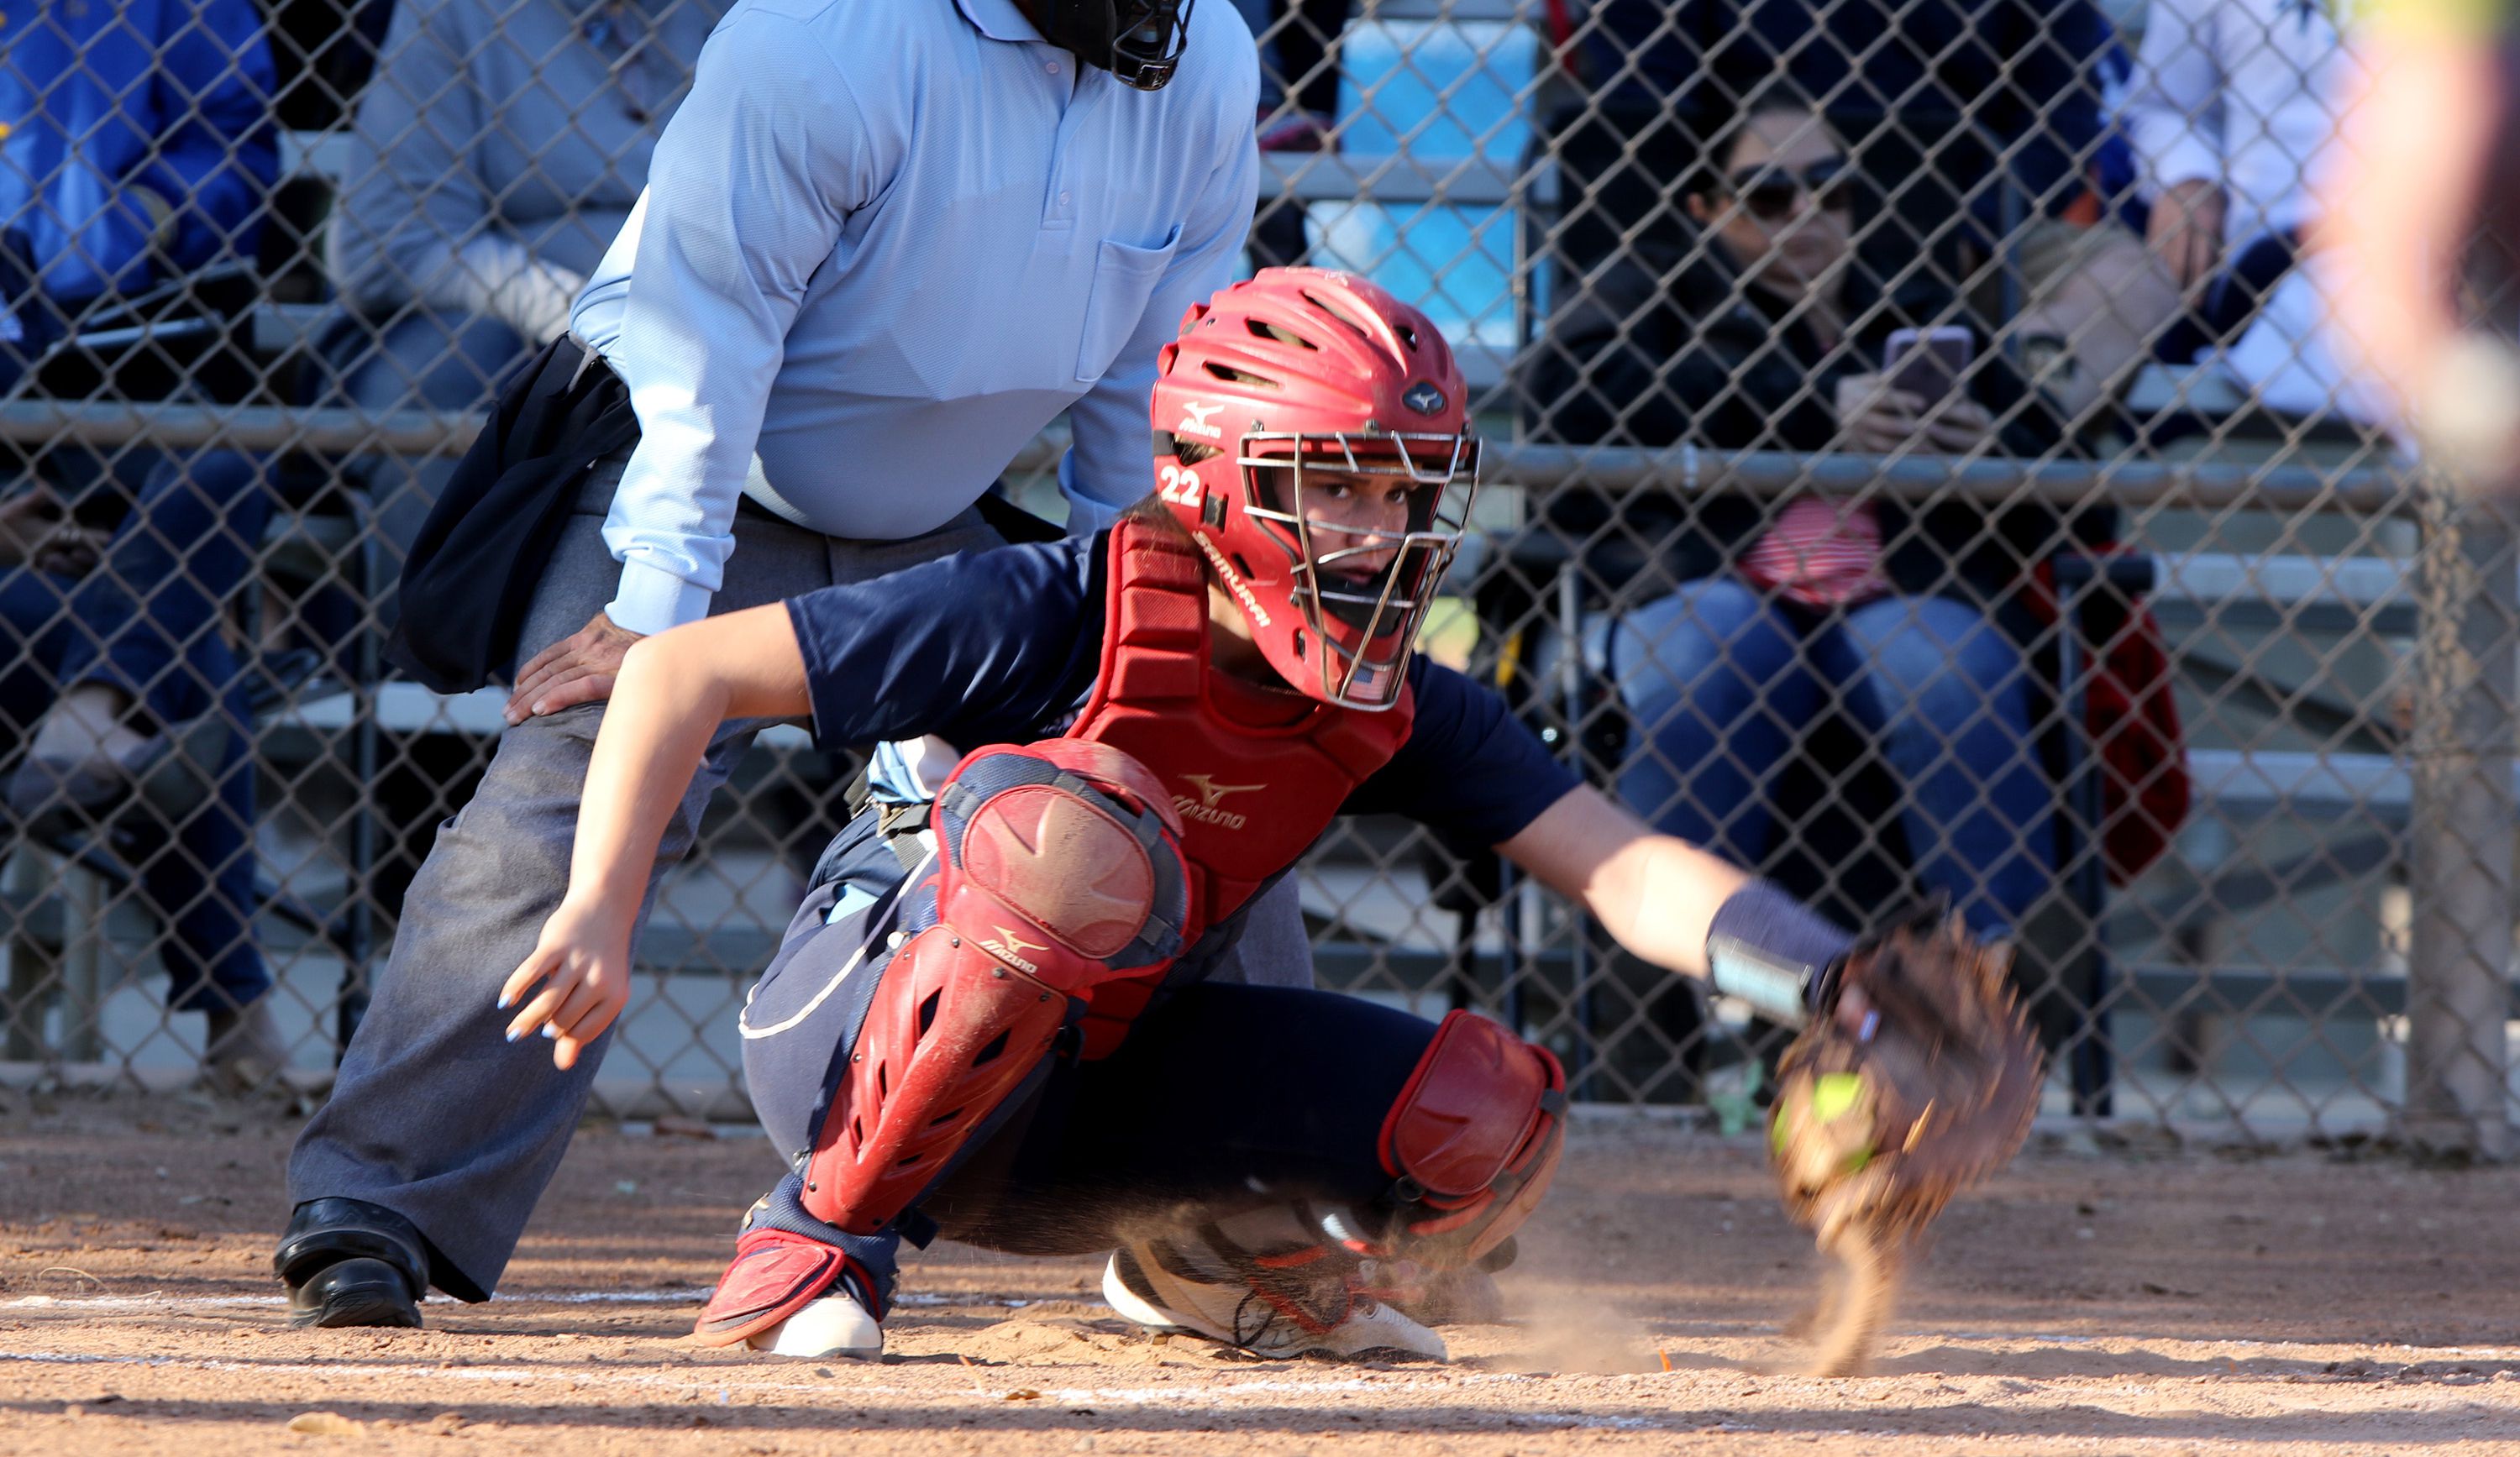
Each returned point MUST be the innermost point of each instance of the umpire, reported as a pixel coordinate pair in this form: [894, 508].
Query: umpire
[883, 243]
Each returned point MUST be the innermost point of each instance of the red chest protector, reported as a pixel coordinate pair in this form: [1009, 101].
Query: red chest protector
[1251, 799]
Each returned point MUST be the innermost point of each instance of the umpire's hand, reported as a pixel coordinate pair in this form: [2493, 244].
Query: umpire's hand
[577, 668]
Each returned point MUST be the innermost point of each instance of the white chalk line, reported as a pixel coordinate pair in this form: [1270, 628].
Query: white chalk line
[1225, 1392]
[693, 1296]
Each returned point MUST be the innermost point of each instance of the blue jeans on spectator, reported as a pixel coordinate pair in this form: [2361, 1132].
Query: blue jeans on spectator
[148, 620]
[1720, 683]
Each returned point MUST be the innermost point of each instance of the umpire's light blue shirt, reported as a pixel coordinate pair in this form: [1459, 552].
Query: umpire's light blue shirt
[883, 244]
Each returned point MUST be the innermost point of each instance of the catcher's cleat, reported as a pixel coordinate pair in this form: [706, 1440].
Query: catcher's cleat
[348, 1263]
[793, 1296]
[1185, 1287]
[836, 1325]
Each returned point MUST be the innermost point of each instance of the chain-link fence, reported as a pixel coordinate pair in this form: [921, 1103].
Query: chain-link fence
[1920, 465]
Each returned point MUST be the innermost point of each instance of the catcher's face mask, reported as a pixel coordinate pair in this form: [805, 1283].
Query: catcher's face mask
[1369, 522]
[1138, 41]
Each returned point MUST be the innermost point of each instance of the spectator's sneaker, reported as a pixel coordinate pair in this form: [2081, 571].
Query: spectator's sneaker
[1185, 1285]
[1297, 131]
[168, 774]
[245, 1051]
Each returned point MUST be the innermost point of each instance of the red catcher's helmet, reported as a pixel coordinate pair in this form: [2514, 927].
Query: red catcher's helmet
[1284, 398]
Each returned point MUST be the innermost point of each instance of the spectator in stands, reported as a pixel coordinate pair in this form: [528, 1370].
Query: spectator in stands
[497, 152]
[157, 733]
[139, 149]
[1967, 109]
[1769, 337]
[139, 153]
[2232, 112]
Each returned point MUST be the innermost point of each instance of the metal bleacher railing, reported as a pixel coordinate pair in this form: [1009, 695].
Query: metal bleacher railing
[2324, 949]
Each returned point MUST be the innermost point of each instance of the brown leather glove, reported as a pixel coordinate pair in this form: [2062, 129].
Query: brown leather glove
[1876, 1128]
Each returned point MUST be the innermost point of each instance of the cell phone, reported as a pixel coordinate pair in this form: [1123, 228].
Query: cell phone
[1928, 363]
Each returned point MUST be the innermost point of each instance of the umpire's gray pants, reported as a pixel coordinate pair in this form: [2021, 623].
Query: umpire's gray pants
[435, 1115]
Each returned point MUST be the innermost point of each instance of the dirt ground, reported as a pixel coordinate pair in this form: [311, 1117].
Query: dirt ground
[2118, 1300]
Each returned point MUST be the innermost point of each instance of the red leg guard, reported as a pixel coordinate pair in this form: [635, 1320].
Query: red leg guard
[1058, 862]
[773, 1275]
[1474, 1141]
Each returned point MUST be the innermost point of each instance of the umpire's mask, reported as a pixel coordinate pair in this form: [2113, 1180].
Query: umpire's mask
[1139, 41]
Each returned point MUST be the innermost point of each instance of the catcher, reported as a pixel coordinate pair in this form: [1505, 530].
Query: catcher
[988, 1018]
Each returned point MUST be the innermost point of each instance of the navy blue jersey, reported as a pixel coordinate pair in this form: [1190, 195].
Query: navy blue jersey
[1002, 647]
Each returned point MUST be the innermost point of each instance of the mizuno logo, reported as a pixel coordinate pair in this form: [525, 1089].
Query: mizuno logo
[1210, 791]
[1018, 943]
[1008, 946]
[1196, 420]
[1203, 808]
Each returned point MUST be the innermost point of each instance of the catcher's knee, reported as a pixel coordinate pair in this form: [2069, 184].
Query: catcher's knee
[1472, 1141]
[1063, 859]
[1062, 866]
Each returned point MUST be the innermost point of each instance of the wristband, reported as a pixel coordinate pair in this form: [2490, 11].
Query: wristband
[1773, 951]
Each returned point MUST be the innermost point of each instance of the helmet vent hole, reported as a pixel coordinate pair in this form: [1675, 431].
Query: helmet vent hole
[1334, 310]
[1232, 375]
[1408, 335]
[992, 1052]
[1242, 565]
[1278, 334]
[1299, 643]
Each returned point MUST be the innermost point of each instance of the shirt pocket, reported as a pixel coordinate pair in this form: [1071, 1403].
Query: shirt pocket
[1124, 279]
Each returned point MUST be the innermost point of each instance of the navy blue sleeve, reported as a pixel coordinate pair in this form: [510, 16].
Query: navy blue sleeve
[979, 648]
[1470, 771]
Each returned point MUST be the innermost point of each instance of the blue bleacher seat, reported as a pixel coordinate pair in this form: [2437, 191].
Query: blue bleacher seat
[1436, 93]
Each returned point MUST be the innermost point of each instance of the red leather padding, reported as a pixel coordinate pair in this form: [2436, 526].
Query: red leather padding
[951, 1031]
[1474, 1137]
[1061, 866]
[1113, 772]
[773, 1275]
[1249, 798]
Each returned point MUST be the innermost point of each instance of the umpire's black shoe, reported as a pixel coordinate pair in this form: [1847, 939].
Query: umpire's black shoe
[348, 1263]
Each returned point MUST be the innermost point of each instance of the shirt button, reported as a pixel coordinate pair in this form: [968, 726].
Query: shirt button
[1062, 199]
[1052, 67]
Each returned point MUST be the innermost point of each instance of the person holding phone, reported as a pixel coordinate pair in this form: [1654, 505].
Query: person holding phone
[1771, 334]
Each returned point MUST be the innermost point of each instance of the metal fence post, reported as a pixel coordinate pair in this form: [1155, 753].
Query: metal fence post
[2458, 971]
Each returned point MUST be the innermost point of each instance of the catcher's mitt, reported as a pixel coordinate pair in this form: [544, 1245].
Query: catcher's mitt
[1876, 1128]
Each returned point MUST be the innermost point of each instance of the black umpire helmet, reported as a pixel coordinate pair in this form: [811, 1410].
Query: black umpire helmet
[1139, 41]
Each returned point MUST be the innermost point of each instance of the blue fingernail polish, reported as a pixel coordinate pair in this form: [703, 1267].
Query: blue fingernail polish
[550, 1030]
[515, 1032]
[503, 1000]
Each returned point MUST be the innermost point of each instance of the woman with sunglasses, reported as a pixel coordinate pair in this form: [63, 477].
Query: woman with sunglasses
[1768, 335]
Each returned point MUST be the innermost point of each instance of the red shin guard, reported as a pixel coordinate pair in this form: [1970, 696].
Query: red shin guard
[1474, 1141]
[1061, 866]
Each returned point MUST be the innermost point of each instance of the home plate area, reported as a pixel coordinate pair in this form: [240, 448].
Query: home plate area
[2101, 1296]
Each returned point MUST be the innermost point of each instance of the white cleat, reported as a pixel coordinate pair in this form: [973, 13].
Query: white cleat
[1162, 1285]
[836, 1325]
